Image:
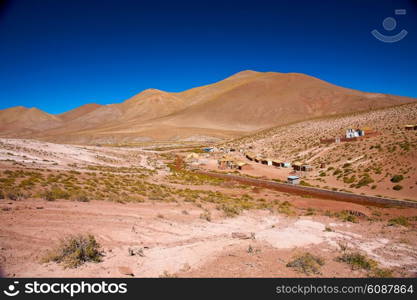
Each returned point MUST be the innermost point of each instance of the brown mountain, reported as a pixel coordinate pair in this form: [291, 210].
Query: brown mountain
[243, 103]
[79, 112]
[22, 121]
[255, 101]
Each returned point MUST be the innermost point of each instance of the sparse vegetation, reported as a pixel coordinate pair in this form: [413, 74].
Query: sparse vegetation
[206, 215]
[397, 187]
[397, 178]
[73, 251]
[80, 197]
[402, 221]
[365, 180]
[229, 210]
[346, 216]
[55, 193]
[381, 273]
[307, 263]
[357, 260]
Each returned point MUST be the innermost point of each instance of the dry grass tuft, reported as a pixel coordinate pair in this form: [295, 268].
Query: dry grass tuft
[75, 250]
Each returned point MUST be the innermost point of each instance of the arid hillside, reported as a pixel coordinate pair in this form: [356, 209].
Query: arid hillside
[251, 101]
[20, 120]
[381, 163]
[141, 215]
[241, 104]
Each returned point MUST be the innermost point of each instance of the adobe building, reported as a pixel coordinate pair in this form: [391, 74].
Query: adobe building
[410, 127]
[352, 133]
[306, 168]
[296, 166]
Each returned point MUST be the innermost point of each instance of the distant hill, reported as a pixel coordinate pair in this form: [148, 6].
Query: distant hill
[243, 103]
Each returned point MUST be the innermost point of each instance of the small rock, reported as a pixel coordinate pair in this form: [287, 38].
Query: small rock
[136, 251]
[241, 235]
[126, 271]
[185, 268]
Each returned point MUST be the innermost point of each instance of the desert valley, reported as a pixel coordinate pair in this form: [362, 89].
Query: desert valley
[258, 175]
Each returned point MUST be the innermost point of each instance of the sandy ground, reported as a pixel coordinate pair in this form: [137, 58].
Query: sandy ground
[173, 237]
[60, 156]
[256, 170]
[176, 241]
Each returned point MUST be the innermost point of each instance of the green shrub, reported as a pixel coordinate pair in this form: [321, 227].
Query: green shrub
[346, 216]
[358, 261]
[310, 212]
[55, 193]
[398, 221]
[365, 180]
[304, 183]
[15, 195]
[285, 208]
[75, 250]
[337, 171]
[397, 187]
[397, 178]
[229, 210]
[381, 273]
[80, 197]
[306, 263]
[351, 179]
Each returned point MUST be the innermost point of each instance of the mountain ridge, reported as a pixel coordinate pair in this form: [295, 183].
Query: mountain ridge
[241, 103]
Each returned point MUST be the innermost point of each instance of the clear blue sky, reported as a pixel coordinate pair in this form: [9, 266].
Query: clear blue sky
[59, 54]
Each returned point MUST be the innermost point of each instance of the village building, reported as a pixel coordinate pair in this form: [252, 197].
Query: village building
[296, 166]
[227, 162]
[264, 161]
[306, 168]
[223, 163]
[352, 133]
[231, 163]
[276, 163]
[240, 165]
[410, 127]
[250, 156]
